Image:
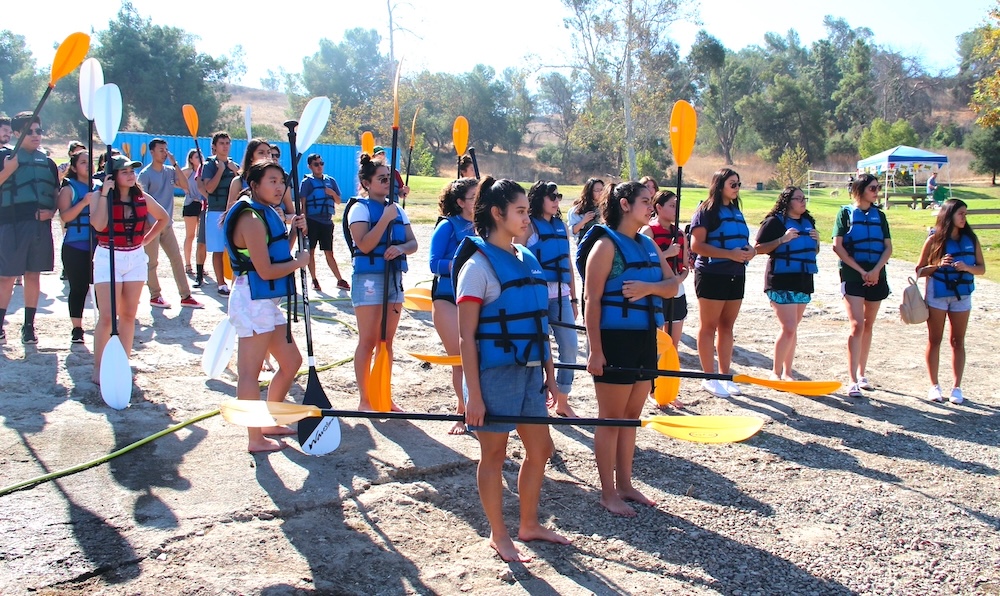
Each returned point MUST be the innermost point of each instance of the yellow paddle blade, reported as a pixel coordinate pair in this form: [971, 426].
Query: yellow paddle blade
[257, 413]
[666, 388]
[810, 388]
[190, 118]
[395, 97]
[417, 303]
[380, 382]
[69, 55]
[367, 142]
[460, 135]
[442, 359]
[127, 149]
[418, 291]
[683, 129]
[413, 127]
[703, 429]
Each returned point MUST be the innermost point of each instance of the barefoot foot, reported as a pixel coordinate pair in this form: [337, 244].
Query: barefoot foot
[538, 532]
[566, 412]
[617, 506]
[278, 431]
[458, 429]
[507, 551]
[265, 445]
[631, 494]
[365, 406]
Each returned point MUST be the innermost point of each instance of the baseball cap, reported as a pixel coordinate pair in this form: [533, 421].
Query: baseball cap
[119, 162]
[378, 149]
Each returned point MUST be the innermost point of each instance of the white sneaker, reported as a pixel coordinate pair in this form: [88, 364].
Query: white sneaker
[854, 391]
[956, 396]
[731, 387]
[934, 394]
[864, 384]
[714, 387]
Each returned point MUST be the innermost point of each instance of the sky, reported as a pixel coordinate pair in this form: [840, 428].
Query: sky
[454, 37]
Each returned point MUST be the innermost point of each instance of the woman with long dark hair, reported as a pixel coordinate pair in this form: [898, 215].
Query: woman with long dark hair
[951, 256]
[194, 203]
[861, 241]
[788, 233]
[78, 239]
[667, 235]
[583, 214]
[721, 239]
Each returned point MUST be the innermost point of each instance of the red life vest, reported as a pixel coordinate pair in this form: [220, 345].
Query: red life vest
[664, 238]
[129, 231]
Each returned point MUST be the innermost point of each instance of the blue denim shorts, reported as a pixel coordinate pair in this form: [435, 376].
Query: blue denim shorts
[511, 390]
[788, 297]
[367, 288]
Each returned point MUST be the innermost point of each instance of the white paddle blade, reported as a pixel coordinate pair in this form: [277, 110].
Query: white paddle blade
[325, 438]
[91, 78]
[219, 349]
[108, 112]
[313, 121]
[116, 375]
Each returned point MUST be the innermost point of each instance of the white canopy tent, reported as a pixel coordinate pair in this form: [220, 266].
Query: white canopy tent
[903, 159]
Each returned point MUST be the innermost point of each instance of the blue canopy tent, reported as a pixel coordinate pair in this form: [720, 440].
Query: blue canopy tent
[903, 159]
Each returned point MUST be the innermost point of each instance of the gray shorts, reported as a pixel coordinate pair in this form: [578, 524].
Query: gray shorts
[950, 303]
[26, 247]
[511, 390]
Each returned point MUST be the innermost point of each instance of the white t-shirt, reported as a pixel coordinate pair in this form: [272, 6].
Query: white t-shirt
[478, 279]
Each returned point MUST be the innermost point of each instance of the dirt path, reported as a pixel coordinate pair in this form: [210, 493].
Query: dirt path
[887, 494]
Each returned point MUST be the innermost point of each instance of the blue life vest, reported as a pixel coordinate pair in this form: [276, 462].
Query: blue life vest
[947, 280]
[395, 233]
[79, 230]
[641, 264]
[731, 233]
[552, 249]
[513, 329]
[864, 240]
[278, 249]
[319, 207]
[443, 289]
[799, 255]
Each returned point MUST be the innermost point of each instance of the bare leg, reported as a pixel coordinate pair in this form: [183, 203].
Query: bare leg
[724, 338]
[332, 262]
[871, 313]
[537, 451]
[959, 325]
[249, 356]
[709, 312]
[856, 315]
[489, 478]
[611, 403]
[445, 317]
[935, 333]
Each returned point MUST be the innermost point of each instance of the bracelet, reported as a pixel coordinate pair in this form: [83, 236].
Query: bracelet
[574, 301]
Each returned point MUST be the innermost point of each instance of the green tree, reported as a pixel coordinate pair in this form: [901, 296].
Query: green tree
[793, 167]
[20, 85]
[784, 115]
[881, 136]
[352, 72]
[986, 97]
[854, 96]
[159, 70]
[984, 143]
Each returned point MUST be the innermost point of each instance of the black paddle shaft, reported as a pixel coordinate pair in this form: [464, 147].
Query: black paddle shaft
[489, 418]
[681, 374]
[389, 201]
[303, 239]
[109, 173]
[475, 163]
[677, 261]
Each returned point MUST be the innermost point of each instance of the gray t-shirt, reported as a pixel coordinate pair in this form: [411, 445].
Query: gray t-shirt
[160, 185]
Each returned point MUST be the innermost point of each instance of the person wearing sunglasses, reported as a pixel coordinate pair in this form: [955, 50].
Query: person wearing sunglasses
[29, 187]
[321, 196]
[861, 241]
[788, 234]
[547, 237]
[720, 237]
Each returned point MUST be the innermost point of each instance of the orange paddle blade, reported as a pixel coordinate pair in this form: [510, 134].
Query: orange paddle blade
[395, 96]
[443, 359]
[380, 382]
[367, 142]
[190, 118]
[683, 130]
[417, 303]
[809, 388]
[460, 135]
[667, 388]
[413, 127]
[69, 55]
[424, 292]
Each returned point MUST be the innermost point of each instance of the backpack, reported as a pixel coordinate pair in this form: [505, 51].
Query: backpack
[913, 310]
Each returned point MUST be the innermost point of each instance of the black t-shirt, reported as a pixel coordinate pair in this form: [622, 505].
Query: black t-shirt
[769, 231]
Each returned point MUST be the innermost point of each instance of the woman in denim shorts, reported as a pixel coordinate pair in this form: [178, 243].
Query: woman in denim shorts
[788, 233]
[503, 330]
[951, 256]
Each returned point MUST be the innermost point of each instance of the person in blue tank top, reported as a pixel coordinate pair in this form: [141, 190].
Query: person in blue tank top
[502, 306]
[721, 239]
[788, 233]
[548, 239]
[951, 256]
[625, 279]
[861, 241]
[255, 232]
[380, 237]
[455, 208]
[78, 239]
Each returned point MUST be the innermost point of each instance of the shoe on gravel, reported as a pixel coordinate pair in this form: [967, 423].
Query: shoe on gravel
[159, 302]
[28, 335]
[714, 387]
[956, 396]
[934, 394]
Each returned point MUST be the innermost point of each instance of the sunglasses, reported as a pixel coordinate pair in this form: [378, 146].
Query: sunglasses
[318, 163]
[35, 131]
[275, 155]
[382, 179]
[555, 197]
[735, 184]
[875, 187]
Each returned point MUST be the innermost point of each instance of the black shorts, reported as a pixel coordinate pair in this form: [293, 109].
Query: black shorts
[26, 247]
[680, 308]
[320, 234]
[192, 209]
[876, 293]
[628, 348]
[712, 286]
[434, 290]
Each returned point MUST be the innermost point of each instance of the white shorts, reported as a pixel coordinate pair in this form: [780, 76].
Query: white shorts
[253, 317]
[130, 265]
[215, 237]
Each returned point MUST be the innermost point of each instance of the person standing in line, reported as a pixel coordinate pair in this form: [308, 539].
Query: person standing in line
[788, 233]
[862, 243]
[932, 185]
[466, 169]
[216, 177]
[504, 342]
[950, 258]
[547, 238]
[626, 279]
[5, 131]
[194, 202]
[455, 208]
[29, 185]
[321, 196]
[721, 239]
[583, 214]
[670, 239]
[159, 180]
[78, 237]
[402, 191]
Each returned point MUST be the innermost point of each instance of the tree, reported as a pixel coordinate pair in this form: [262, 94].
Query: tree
[854, 96]
[986, 97]
[984, 143]
[784, 115]
[20, 85]
[881, 136]
[793, 167]
[352, 72]
[159, 70]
